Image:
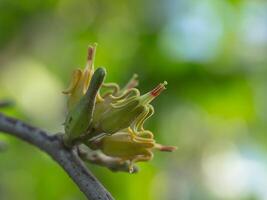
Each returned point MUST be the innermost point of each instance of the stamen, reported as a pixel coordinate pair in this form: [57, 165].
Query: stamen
[148, 97]
[165, 148]
[133, 82]
[157, 90]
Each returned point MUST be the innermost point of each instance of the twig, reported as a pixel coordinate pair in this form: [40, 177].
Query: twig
[68, 159]
[114, 164]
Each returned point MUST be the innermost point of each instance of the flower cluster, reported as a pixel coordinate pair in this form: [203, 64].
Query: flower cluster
[110, 119]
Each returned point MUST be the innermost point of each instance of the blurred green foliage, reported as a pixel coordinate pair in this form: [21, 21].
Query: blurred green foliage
[213, 55]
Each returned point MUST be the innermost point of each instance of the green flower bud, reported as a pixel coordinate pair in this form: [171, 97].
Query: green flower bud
[79, 118]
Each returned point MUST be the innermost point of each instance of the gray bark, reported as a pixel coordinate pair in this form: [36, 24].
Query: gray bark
[68, 159]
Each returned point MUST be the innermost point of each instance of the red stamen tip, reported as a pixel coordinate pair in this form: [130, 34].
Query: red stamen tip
[157, 90]
[91, 51]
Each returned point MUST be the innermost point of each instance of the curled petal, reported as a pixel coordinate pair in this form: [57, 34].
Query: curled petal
[142, 137]
[126, 95]
[146, 134]
[76, 76]
[137, 126]
[147, 157]
[113, 86]
[123, 101]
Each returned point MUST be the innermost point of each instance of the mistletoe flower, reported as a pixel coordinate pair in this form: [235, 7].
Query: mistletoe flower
[110, 121]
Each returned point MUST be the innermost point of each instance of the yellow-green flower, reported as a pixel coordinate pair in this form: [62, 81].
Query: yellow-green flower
[81, 79]
[121, 145]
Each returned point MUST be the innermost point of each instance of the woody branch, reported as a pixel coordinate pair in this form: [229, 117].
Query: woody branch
[68, 159]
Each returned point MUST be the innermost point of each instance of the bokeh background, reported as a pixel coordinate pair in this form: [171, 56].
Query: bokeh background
[213, 53]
